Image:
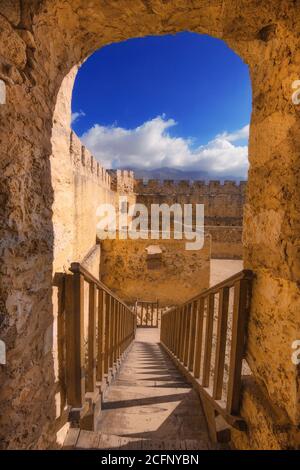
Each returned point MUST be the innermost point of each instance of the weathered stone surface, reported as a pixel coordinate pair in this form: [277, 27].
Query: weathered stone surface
[11, 9]
[177, 275]
[270, 428]
[12, 47]
[223, 208]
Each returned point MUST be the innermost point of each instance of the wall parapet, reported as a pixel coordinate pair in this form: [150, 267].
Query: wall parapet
[122, 181]
[84, 161]
[201, 187]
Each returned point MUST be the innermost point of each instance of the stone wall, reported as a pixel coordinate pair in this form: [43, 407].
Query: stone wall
[80, 184]
[223, 201]
[155, 269]
[122, 181]
[223, 208]
[226, 241]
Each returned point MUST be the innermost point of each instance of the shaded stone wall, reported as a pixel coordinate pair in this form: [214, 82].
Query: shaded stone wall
[155, 269]
[226, 241]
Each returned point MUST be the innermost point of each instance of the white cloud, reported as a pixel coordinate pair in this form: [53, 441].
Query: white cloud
[76, 116]
[151, 146]
[240, 134]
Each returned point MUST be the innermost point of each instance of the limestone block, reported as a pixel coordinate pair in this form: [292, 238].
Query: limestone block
[11, 9]
[12, 47]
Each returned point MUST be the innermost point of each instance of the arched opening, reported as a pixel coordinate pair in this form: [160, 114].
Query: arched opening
[38, 59]
[172, 108]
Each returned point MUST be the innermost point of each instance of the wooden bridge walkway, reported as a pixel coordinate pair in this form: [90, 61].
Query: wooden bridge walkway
[149, 405]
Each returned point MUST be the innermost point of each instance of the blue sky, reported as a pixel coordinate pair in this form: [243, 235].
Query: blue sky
[165, 101]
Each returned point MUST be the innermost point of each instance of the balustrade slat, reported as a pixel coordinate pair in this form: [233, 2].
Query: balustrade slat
[237, 345]
[75, 357]
[187, 334]
[221, 343]
[182, 332]
[142, 313]
[112, 327]
[177, 341]
[199, 337]
[101, 338]
[191, 354]
[92, 347]
[119, 331]
[107, 336]
[208, 340]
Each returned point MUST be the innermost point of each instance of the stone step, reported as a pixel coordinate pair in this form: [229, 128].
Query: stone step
[92, 440]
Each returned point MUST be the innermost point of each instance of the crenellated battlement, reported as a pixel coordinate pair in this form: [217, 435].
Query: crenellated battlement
[186, 187]
[84, 161]
[122, 181]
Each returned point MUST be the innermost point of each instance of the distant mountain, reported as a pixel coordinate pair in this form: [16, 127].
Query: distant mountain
[174, 174]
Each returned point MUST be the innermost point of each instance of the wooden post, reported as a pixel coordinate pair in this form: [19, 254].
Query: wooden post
[75, 357]
[191, 353]
[199, 337]
[101, 327]
[221, 343]
[91, 369]
[177, 332]
[123, 329]
[208, 340]
[239, 318]
[111, 333]
[118, 330]
[182, 333]
[107, 326]
[187, 334]
[142, 313]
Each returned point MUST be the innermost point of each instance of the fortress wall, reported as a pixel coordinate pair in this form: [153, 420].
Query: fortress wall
[122, 181]
[223, 208]
[226, 241]
[223, 202]
[172, 276]
[79, 184]
[165, 187]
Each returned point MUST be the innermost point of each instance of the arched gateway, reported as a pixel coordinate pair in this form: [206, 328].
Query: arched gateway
[40, 43]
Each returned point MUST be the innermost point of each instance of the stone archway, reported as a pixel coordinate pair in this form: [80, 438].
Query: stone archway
[40, 42]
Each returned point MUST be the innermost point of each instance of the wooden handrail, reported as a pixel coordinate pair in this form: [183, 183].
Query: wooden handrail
[99, 329]
[229, 282]
[88, 277]
[199, 332]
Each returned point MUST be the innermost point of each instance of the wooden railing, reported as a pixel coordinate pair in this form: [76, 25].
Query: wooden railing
[99, 328]
[206, 337]
[147, 313]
